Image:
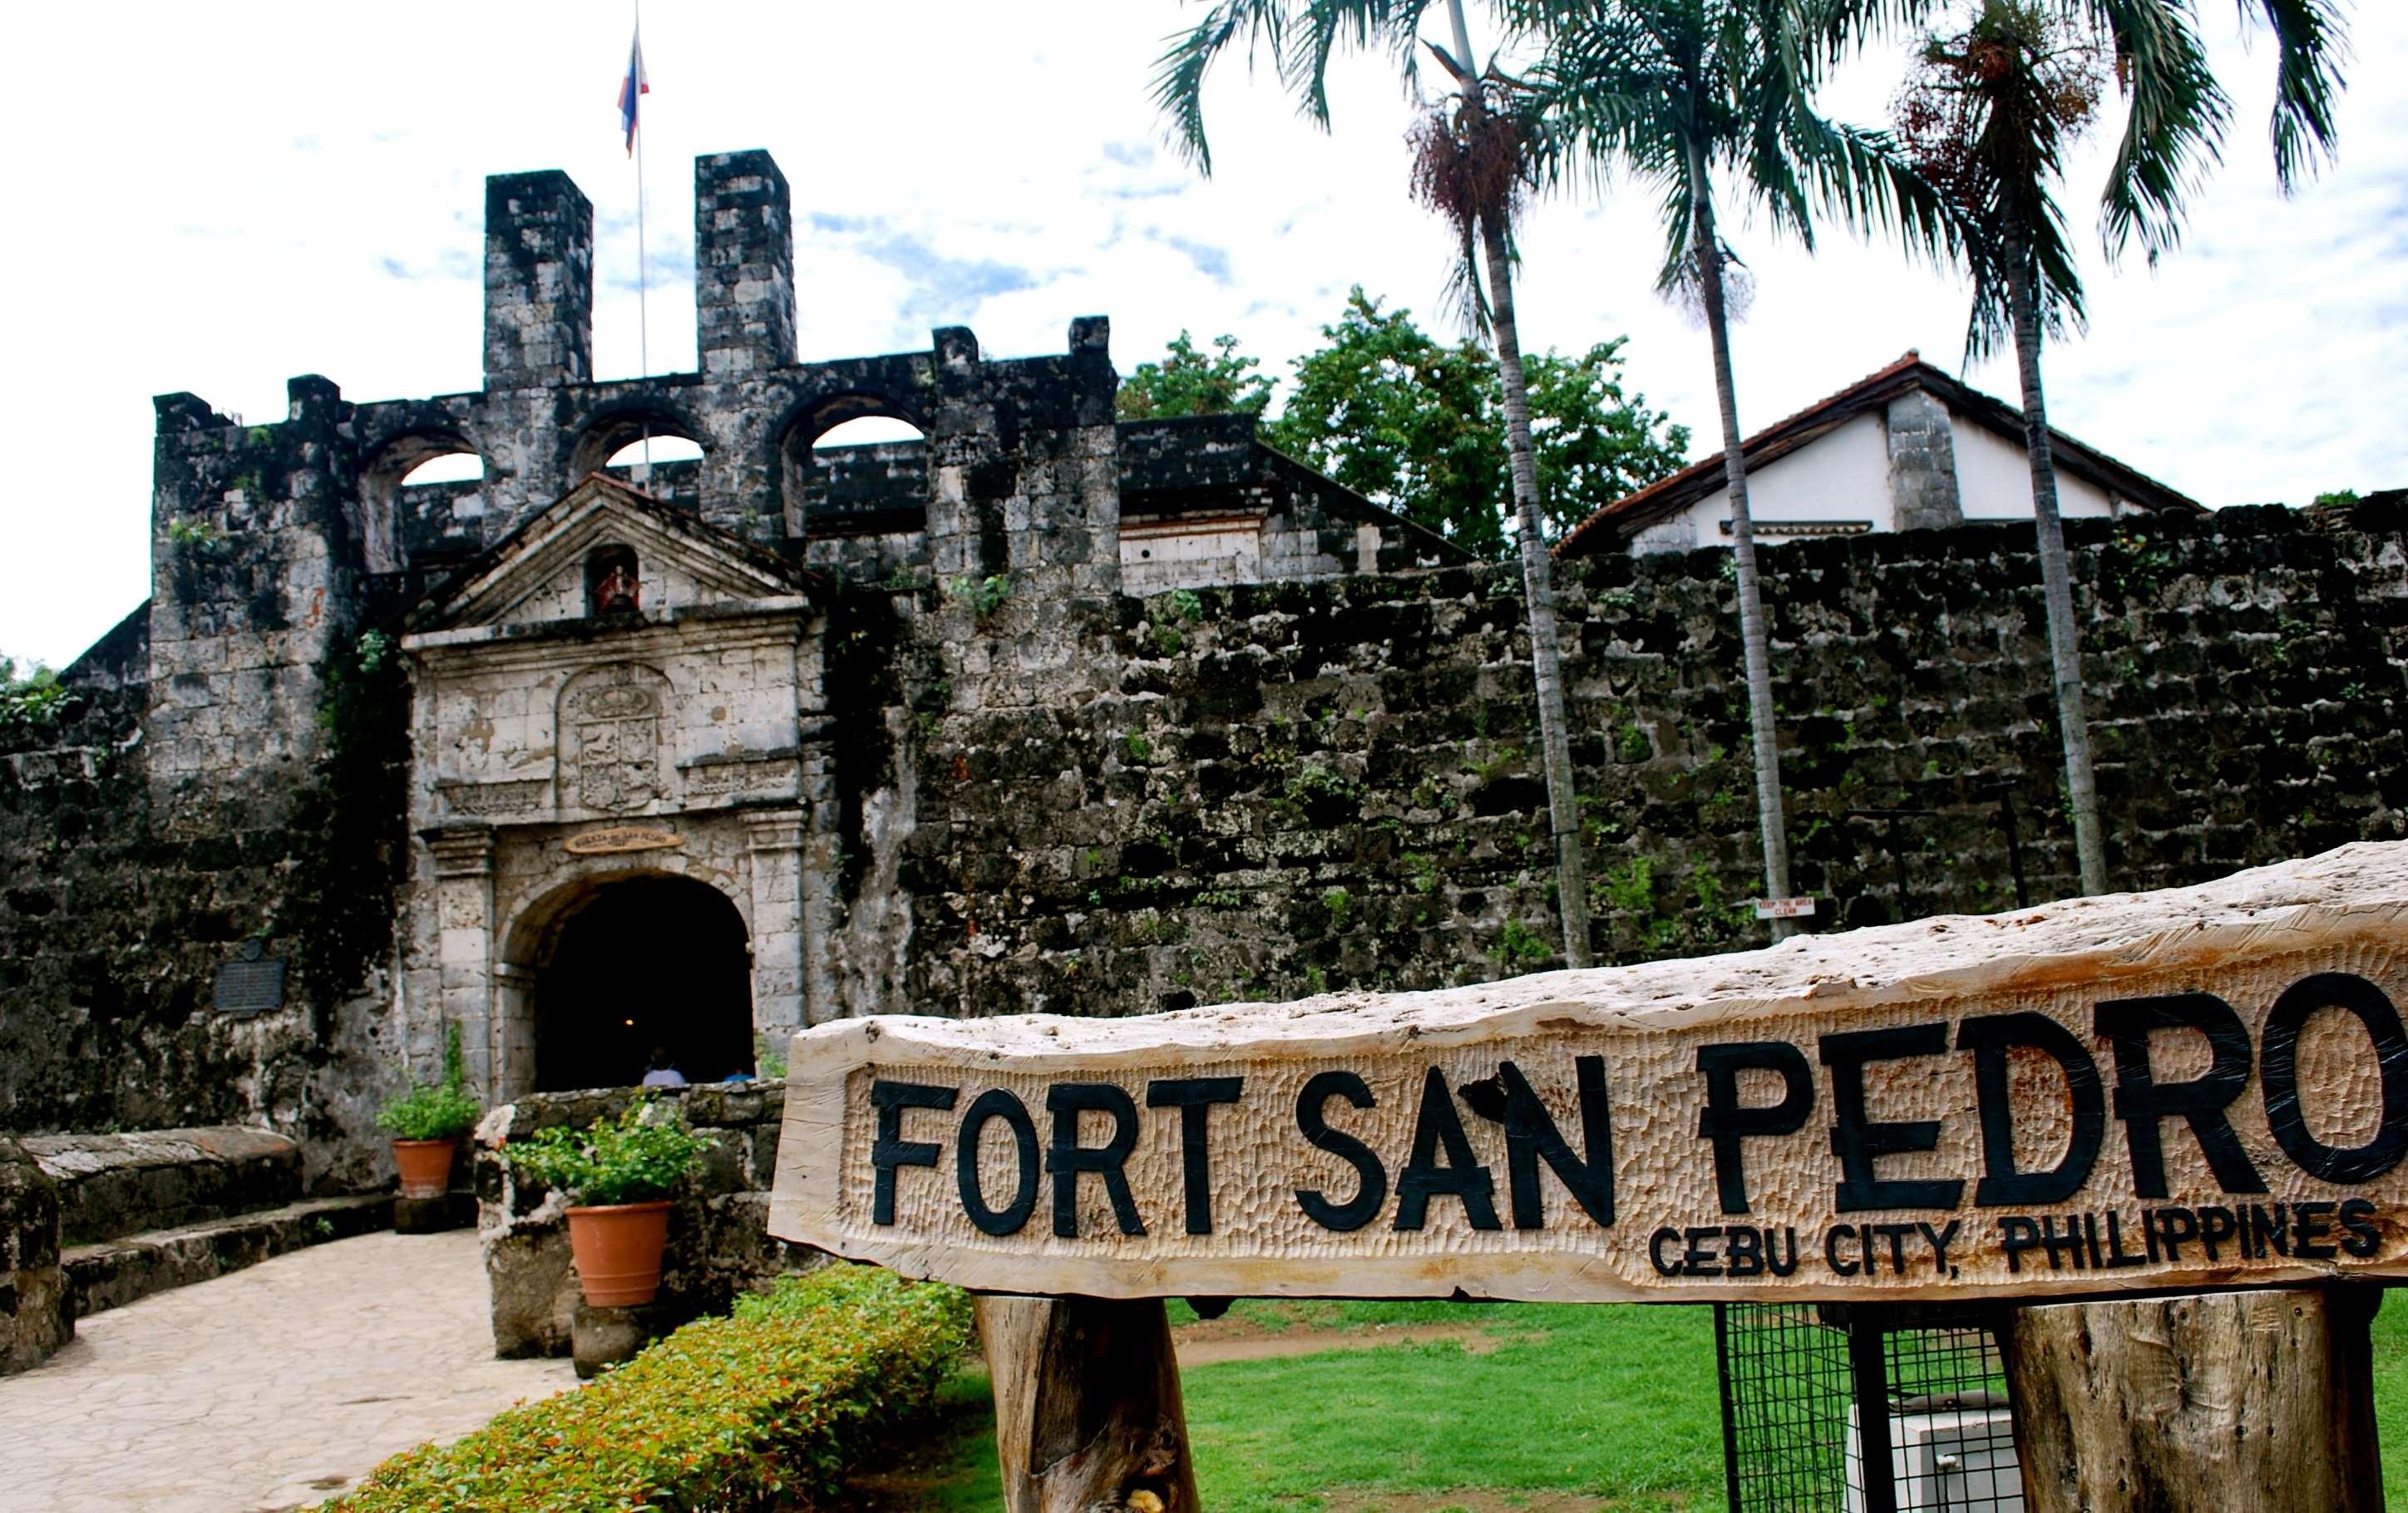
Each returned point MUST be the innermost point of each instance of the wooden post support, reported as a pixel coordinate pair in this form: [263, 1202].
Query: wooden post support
[2225, 1403]
[1087, 1416]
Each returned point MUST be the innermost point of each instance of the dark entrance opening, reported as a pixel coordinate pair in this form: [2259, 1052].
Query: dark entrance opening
[644, 964]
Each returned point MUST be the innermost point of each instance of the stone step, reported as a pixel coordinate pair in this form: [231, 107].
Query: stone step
[112, 1185]
[113, 1273]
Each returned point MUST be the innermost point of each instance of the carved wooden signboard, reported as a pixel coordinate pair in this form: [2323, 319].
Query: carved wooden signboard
[2198, 1087]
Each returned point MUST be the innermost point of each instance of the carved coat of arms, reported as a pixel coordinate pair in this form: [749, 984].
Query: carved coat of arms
[616, 719]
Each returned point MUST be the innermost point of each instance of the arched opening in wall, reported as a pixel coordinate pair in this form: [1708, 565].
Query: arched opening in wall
[618, 445]
[450, 467]
[423, 499]
[854, 465]
[642, 965]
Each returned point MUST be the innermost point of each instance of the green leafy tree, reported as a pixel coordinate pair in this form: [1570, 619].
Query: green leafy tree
[1400, 418]
[1191, 382]
[31, 697]
[1685, 95]
[1595, 442]
[1419, 425]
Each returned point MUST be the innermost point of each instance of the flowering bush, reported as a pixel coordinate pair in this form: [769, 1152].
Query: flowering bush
[640, 1157]
[768, 1409]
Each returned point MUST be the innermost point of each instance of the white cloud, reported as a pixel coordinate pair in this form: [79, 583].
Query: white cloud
[216, 201]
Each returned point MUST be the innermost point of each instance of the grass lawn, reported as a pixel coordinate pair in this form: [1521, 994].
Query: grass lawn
[1544, 1407]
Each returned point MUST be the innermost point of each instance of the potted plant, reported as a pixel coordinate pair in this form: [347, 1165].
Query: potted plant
[618, 1176]
[427, 1123]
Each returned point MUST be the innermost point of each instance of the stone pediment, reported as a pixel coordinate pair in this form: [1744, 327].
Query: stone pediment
[539, 575]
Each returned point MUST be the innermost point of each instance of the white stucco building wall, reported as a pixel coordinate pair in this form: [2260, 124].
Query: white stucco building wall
[1994, 478]
[1905, 447]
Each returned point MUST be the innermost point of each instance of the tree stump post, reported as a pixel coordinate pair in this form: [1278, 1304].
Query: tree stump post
[2259, 1402]
[1087, 1414]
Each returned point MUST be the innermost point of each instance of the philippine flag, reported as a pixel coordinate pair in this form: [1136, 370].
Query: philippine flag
[635, 87]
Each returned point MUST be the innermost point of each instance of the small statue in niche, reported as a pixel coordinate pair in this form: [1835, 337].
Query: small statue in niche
[612, 584]
[619, 593]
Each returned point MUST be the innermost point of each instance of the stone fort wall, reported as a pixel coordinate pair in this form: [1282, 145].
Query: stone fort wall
[1116, 805]
[1049, 779]
[1287, 787]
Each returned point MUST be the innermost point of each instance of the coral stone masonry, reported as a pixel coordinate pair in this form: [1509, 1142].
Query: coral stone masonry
[1039, 710]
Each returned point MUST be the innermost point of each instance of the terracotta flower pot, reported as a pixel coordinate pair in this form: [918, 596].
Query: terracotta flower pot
[618, 1251]
[425, 1166]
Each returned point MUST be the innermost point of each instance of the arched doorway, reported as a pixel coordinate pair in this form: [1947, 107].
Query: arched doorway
[643, 963]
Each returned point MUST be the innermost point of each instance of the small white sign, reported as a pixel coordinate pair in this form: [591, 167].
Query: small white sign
[1784, 908]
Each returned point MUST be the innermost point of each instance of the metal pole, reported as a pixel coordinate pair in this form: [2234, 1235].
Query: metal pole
[1869, 1374]
[1731, 1406]
[643, 269]
[2014, 842]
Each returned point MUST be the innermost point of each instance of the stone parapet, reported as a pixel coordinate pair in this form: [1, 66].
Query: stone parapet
[112, 1185]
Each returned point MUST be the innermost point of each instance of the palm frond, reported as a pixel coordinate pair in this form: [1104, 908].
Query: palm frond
[1180, 73]
[2311, 45]
[2175, 128]
[1300, 38]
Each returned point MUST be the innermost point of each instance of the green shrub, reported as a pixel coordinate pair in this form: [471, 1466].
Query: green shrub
[444, 1111]
[764, 1409]
[32, 699]
[640, 1157]
[985, 595]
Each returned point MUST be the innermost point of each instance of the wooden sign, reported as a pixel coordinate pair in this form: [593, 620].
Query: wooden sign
[2198, 1087]
[618, 838]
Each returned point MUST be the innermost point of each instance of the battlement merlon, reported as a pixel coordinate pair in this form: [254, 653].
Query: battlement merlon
[538, 281]
[743, 265]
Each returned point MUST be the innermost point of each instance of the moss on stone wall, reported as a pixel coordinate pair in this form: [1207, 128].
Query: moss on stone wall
[1182, 840]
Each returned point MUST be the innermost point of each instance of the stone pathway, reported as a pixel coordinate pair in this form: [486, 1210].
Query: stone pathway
[269, 1389]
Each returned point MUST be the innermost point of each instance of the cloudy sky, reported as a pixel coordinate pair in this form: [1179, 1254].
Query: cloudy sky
[216, 198]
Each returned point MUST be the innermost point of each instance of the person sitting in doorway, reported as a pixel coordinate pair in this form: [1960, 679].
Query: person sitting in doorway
[663, 1073]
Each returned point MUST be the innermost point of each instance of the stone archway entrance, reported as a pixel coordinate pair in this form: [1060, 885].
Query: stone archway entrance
[640, 964]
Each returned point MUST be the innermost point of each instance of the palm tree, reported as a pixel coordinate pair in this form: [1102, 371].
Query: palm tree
[1988, 114]
[1677, 92]
[1470, 163]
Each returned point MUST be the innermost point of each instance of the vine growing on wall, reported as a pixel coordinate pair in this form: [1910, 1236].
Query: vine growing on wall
[350, 823]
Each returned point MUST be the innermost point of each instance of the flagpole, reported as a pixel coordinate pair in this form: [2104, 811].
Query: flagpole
[643, 269]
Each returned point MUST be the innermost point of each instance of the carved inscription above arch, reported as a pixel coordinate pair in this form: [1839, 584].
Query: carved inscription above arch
[610, 739]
